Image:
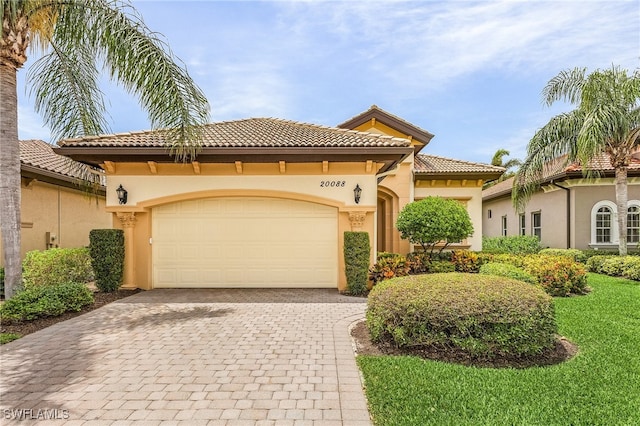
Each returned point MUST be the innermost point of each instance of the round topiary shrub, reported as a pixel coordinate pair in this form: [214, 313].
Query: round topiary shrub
[483, 316]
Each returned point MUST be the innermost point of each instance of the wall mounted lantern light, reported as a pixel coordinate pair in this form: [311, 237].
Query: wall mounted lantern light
[357, 192]
[122, 195]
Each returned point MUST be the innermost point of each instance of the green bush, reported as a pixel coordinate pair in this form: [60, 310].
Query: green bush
[511, 259]
[631, 268]
[590, 253]
[575, 254]
[627, 266]
[517, 244]
[440, 266]
[558, 275]
[612, 266]
[55, 266]
[356, 261]
[482, 315]
[594, 263]
[508, 271]
[106, 247]
[433, 221]
[389, 265]
[45, 301]
[465, 261]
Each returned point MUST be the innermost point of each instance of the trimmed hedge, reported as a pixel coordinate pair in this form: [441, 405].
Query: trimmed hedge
[517, 244]
[483, 316]
[356, 260]
[508, 271]
[626, 266]
[45, 301]
[55, 266]
[574, 254]
[106, 247]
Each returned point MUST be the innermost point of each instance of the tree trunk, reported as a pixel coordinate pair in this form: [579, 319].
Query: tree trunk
[621, 203]
[10, 180]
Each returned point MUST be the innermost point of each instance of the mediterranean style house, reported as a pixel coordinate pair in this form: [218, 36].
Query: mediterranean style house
[569, 211]
[55, 210]
[267, 201]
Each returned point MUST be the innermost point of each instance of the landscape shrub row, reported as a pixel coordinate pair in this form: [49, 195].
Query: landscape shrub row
[483, 316]
[55, 266]
[558, 275]
[616, 266]
[45, 301]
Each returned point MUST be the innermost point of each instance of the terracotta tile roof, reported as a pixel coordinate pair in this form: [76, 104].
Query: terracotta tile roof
[39, 154]
[433, 164]
[558, 170]
[251, 133]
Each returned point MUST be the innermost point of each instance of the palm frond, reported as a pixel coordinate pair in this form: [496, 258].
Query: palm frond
[142, 62]
[566, 86]
[550, 150]
[64, 85]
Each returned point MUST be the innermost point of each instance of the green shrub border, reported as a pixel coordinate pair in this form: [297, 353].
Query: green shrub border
[46, 301]
[357, 252]
[106, 247]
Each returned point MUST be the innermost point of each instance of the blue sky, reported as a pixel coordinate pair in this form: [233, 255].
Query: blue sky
[470, 72]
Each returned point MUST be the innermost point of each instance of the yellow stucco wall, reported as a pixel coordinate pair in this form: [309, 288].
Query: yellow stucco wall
[67, 213]
[153, 185]
[401, 187]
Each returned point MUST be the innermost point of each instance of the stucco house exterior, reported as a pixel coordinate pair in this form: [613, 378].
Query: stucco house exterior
[569, 211]
[55, 210]
[267, 201]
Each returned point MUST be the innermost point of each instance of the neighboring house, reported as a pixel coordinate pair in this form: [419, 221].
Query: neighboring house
[56, 211]
[267, 201]
[569, 211]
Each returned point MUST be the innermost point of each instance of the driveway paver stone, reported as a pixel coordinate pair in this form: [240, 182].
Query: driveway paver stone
[192, 357]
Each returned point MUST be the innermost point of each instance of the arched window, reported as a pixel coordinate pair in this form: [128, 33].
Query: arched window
[604, 217]
[604, 224]
[633, 224]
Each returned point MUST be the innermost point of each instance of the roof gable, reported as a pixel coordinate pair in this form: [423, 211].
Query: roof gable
[375, 115]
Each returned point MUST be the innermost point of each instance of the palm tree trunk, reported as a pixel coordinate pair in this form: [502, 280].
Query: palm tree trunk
[621, 203]
[10, 180]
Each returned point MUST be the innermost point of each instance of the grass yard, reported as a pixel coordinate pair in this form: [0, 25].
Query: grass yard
[599, 386]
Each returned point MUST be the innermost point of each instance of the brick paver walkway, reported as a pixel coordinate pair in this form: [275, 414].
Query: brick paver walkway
[193, 357]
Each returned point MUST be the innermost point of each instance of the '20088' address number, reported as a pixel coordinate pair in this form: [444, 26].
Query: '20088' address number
[332, 183]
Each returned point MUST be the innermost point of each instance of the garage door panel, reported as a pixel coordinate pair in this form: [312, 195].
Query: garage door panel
[245, 242]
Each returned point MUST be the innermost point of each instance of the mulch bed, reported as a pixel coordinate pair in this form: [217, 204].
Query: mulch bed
[562, 351]
[100, 299]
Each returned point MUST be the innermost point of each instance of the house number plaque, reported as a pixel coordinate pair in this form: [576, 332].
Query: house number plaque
[332, 183]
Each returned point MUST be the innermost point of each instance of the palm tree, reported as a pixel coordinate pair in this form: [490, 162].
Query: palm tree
[78, 38]
[606, 121]
[498, 160]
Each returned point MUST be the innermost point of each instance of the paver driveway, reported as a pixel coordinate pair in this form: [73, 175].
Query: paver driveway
[214, 357]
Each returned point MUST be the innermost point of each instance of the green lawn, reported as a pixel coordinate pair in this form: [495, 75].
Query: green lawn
[600, 386]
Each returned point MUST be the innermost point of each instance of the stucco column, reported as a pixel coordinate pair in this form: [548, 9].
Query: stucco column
[128, 221]
[356, 219]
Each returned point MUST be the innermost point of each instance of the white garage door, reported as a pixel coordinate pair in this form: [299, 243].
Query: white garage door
[245, 242]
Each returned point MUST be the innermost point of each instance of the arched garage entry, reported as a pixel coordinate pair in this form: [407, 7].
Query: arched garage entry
[244, 242]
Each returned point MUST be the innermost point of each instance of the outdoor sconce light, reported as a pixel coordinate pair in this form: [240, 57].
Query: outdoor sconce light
[122, 195]
[357, 192]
